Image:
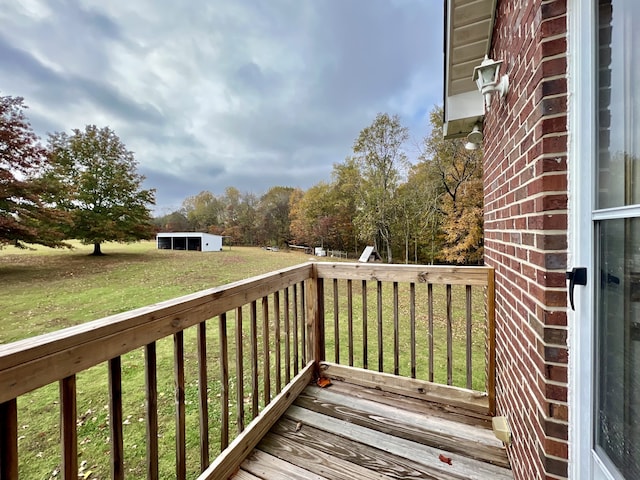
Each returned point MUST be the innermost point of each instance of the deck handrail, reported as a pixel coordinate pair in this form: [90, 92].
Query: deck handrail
[289, 307]
[411, 276]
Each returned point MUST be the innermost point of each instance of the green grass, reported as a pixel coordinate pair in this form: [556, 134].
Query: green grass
[459, 355]
[45, 290]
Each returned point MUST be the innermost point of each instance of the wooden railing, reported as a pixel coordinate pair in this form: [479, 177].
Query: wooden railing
[254, 342]
[434, 323]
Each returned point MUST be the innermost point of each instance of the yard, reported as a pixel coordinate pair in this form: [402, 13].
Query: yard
[48, 290]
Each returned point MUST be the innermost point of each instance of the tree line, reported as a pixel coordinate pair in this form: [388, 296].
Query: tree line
[429, 212]
[85, 186]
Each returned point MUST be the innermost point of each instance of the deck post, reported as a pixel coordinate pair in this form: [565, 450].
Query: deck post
[315, 320]
[491, 340]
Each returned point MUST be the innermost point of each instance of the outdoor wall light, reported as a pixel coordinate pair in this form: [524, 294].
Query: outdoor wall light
[474, 139]
[487, 77]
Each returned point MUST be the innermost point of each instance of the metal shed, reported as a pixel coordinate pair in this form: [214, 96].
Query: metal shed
[198, 241]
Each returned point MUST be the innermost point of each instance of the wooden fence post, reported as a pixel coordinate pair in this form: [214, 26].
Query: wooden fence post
[491, 340]
[315, 319]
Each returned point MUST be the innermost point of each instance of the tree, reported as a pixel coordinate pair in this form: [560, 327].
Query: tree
[172, 222]
[203, 211]
[378, 150]
[460, 173]
[248, 218]
[25, 215]
[423, 194]
[312, 216]
[104, 194]
[345, 191]
[273, 211]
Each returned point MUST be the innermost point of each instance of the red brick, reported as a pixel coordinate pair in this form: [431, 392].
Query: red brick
[555, 26]
[553, 9]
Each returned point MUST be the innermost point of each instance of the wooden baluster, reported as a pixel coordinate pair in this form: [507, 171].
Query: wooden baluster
[9, 440]
[380, 333]
[430, 327]
[469, 340]
[115, 418]
[151, 386]
[336, 325]
[276, 315]
[68, 427]
[178, 365]
[287, 338]
[224, 382]
[303, 330]
[412, 326]
[266, 362]
[296, 339]
[365, 327]
[203, 404]
[254, 359]
[396, 330]
[239, 371]
[449, 337]
[350, 319]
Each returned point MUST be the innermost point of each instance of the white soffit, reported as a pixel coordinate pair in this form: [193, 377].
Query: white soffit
[469, 27]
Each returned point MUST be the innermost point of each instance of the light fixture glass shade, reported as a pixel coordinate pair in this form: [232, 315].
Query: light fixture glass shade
[471, 146]
[486, 74]
[475, 136]
[487, 78]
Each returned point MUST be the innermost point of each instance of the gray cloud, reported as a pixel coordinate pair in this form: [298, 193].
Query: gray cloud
[246, 93]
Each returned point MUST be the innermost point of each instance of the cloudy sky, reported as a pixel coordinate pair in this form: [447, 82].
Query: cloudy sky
[217, 93]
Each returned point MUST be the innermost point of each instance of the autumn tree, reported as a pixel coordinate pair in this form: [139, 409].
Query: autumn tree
[172, 222]
[231, 201]
[417, 216]
[460, 174]
[421, 212]
[104, 193]
[345, 193]
[248, 218]
[204, 212]
[25, 213]
[378, 150]
[273, 216]
[314, 217]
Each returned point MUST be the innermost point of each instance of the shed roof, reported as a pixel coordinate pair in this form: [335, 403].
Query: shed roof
[186, 234]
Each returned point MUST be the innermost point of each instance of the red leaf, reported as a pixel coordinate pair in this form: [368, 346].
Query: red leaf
[323, 382]
[445, 459]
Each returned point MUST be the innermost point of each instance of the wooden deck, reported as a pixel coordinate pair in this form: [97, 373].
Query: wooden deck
[346, 431]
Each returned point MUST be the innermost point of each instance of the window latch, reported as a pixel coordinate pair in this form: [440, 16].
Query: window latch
[577, 276]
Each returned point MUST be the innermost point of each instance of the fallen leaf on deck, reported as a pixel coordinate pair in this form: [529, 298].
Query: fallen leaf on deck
[323, 382]
[298, 426]
[445, 459]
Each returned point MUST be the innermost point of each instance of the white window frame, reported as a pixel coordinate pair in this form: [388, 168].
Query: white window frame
[581, 85]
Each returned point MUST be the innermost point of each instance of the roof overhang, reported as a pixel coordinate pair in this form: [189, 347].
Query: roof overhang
[468, 31]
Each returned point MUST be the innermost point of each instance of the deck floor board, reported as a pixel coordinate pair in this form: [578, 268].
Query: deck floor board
[347, 431]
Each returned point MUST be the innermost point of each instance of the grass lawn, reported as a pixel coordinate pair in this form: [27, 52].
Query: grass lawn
[45, 290]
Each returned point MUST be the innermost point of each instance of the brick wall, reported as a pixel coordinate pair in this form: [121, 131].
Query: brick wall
[526, 232]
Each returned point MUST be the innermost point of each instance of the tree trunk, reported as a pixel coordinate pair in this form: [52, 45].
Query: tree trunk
[96, 250]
